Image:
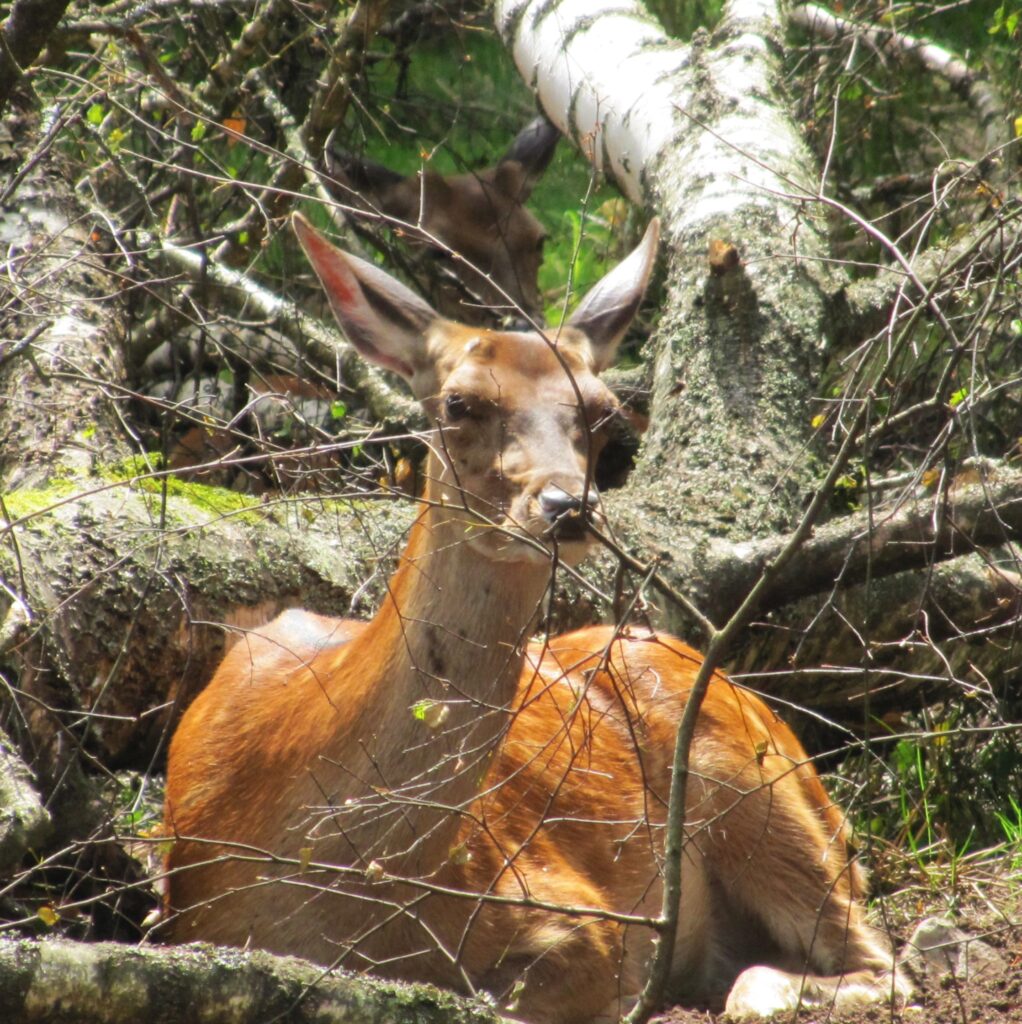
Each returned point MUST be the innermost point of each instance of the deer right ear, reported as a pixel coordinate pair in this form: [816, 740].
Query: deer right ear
[608, 308]
[385, 321]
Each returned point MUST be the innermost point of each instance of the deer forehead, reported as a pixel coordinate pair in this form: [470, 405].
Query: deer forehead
[496, 363]
[484, 229]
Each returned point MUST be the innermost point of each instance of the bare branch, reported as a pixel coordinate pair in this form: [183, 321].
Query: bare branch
[911, 533]
[974, 88]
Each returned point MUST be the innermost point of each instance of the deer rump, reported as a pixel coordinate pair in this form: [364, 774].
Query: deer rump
[427, 797]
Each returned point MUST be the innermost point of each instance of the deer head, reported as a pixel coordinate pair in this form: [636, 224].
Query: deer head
[474, 226]
[519, 417]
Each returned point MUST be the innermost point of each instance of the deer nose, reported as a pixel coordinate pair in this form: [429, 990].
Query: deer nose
[567, 513]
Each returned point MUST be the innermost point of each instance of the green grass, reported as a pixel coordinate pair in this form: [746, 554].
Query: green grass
[942, 794]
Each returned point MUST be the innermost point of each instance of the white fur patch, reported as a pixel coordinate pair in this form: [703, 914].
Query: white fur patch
[761, 991]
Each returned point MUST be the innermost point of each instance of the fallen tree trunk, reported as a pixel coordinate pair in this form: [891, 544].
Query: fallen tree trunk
[52, 981]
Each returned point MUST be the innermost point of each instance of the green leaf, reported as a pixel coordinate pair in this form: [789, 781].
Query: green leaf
[198, 131]
[95, 114]
[958, 397]
[338, 410]
[432, 712]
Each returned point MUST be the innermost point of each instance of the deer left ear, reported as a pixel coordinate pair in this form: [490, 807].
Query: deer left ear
[385, 321]
[609, 307]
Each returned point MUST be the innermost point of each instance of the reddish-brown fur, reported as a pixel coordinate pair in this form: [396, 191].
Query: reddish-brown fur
[415, 794]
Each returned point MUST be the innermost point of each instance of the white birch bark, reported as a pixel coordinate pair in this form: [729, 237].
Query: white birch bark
[634, 101]
[604, 74]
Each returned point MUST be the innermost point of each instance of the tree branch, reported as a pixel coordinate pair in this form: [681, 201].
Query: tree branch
[22, 37]
[352, 32]
[385, 403]
[984, 249]
[912, 533]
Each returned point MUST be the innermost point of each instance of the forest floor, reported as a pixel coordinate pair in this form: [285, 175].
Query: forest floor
[984, 986]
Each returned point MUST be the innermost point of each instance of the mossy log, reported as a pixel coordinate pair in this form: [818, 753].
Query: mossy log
[56, 981]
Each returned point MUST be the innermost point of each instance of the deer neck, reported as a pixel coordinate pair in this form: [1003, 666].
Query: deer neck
[435, 674]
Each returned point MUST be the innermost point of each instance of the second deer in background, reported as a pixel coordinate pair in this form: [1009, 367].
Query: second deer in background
[488, 247]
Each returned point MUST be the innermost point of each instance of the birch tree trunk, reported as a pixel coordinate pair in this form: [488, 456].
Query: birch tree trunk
[701, 134]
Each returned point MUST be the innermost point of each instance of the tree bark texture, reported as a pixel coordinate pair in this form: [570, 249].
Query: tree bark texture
[63, 333]
[24, 822]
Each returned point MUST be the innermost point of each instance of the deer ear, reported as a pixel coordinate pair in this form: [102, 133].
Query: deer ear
[363, 177]
[608, 308]
[384, 321]
[533, 148]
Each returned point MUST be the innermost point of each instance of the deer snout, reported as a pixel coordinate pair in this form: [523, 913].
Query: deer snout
[568, 514]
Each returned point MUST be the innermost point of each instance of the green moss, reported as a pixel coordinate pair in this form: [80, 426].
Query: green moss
[133, 466]
[137, 472]
[206, 497]
[37, 501]
[141, 475]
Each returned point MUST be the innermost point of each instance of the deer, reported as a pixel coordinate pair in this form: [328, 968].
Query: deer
[435, 795]
[474, 227]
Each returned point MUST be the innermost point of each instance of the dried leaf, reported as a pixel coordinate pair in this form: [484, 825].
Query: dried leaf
[48, 915]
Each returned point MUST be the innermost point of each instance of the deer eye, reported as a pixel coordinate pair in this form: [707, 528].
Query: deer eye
[455, 407]
[602, 416]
